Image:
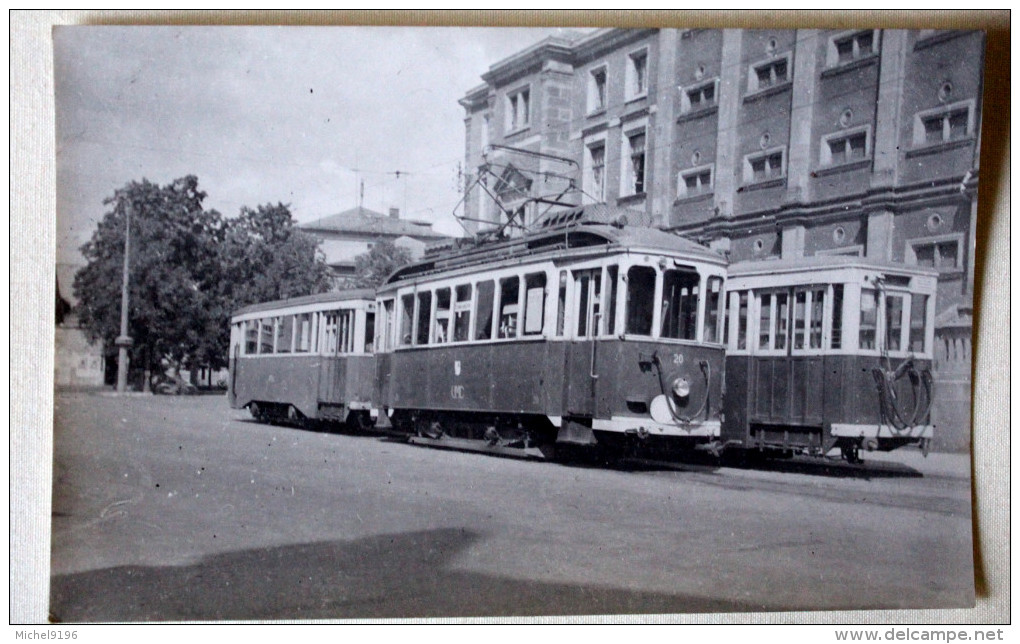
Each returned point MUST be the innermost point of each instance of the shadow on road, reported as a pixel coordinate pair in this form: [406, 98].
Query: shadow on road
[384, 576]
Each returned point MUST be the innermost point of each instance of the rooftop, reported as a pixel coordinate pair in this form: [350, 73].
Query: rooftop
[363, 221]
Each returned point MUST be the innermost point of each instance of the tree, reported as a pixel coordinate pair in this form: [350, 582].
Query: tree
[372, 268]
[189, 268]
[262, 257]
[172, 270]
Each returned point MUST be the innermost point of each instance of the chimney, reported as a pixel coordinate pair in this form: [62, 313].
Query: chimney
[395, 213]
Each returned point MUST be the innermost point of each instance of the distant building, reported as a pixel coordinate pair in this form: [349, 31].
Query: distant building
[76, 362]
[760, 143]
[344, 236]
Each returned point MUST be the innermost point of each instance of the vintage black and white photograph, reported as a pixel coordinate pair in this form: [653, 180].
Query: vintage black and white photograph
[384, 322]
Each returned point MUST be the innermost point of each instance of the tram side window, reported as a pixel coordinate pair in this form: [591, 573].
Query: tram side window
[284, 333]
[303, 333]
[713, 308]
[918, 315]
[406, 319]
[509, 290]
[765, 321]
[816, 318]
[679, 304]
[640, 299]
[782, 320]
[483, 312]
[251, 337]
[561, 305]
[534, 303]
[837, 316]
[869, 318]
[266, 336]
[329, 331]
[588, 286]
[369, 331]
[442, 323]
[742, 321]
[893, 322]
[612, 272]
[386, 340]
[424, 312]
[462, 313]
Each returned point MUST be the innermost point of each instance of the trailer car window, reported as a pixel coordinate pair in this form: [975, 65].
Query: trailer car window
[303, 331]
[918, 313]
[386, 341]
[893, 322]
[369, 331]
[869, 318]
[640, 299]
[742, 321]
[284, 333]
[765, 320]
[816, 318]
[782, 320]
[713, 308]
[266, 336]
[251, 337]
[836, 341]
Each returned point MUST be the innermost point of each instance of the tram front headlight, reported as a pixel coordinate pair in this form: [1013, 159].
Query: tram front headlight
[681, 387]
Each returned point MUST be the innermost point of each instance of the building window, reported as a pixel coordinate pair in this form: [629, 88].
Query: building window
[518, 109]
[694, 182]
[944, 124]
[699, 96]
[637, 74]
[764, 166]
[634, 164]
[942, 253]
[848, 47]
[595, 177]
[768, 74]
[597, 90]
[845, 147]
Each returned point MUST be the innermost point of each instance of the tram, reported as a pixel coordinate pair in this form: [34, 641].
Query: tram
[585, 330]
[305, 359]
[829, 352]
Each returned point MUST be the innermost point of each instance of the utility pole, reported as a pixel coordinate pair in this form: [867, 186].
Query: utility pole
[124, 341]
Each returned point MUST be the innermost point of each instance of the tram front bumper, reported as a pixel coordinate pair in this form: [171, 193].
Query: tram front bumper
[843, 430]
[648, 427]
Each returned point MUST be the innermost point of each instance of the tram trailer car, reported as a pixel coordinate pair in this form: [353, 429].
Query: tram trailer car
[829, 352]
[305, 359]
[586, 331]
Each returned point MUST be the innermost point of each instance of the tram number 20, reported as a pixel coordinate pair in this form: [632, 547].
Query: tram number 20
[457, 392]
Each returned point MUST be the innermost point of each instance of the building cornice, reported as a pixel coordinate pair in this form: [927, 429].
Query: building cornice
[528, 61]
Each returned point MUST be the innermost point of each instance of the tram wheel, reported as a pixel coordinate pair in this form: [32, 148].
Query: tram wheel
[852, 454]
[256, 412]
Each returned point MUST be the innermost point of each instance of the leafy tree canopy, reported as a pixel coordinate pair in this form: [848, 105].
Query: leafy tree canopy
[189, 269]
[372, 268]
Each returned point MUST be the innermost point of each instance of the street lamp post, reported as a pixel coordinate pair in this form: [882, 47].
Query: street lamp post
[124, 341]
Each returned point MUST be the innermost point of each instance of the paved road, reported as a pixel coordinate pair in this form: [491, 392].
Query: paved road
[180, 508]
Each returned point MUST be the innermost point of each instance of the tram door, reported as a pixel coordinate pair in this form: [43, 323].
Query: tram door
[582, 368]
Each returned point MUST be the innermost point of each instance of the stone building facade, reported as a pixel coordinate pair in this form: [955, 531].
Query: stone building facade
[760, 143]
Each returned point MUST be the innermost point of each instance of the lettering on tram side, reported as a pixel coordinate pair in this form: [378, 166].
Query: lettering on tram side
[457, 392]
[678, 359]
[456, 367]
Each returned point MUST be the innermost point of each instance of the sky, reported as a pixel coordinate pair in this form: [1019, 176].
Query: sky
[299, 115]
